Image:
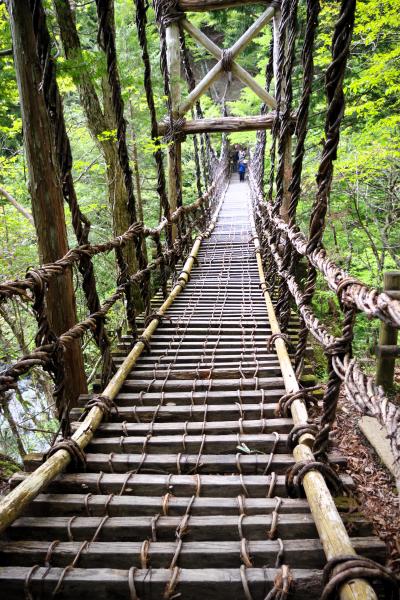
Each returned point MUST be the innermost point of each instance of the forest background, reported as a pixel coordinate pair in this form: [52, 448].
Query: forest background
[363, 230]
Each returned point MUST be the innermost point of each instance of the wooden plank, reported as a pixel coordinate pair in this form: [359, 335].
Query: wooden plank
[209, 463]
[196, 412]
[254, 527]
[70, 504]
[306, 553]
[179, 485]
[202, 384]
[176, 375]
[180, 363]
[222, 124]
[131, 399]
[262, 442]
[174, 412]
[254, 426]
[213, 584]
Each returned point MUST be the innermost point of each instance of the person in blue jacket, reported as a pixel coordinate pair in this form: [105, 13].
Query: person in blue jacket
[242, 170]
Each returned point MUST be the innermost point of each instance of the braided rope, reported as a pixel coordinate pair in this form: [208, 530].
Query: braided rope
[106, 40]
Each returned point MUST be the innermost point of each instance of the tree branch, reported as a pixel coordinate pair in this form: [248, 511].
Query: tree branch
[16, 205]
[6, 52]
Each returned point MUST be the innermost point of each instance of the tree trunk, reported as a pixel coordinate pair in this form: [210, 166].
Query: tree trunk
[45, 190]
[99, 120]
[116, 186]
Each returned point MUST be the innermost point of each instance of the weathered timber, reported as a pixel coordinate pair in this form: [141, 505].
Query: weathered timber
[180, 485]
[171, 428]
[131, 399]
[193, 583]
[171, 411]
[200, 555]
[290, 527]
[81, 504]
[202, 384]
[184, 463]
[222, 124]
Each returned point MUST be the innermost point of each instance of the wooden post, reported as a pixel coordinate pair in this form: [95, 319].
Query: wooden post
[387, 337]
[175, 150]
[287, 169]
[45, 190]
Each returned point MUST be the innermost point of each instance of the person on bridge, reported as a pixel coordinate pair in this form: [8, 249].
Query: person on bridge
[242, 170]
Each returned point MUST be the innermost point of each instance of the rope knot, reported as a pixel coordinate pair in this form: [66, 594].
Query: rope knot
[342, 569]
[174, 131]
[105, 403]
[76, 453]
[167, 12]
[227, 60]
[277, 336]
[295, 475]
[286, 401]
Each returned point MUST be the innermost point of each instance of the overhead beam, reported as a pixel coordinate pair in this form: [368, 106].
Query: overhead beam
[223, 124]
[237, 70]
[205, 5]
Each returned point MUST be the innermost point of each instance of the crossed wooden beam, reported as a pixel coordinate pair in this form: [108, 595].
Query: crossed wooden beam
[221, 56]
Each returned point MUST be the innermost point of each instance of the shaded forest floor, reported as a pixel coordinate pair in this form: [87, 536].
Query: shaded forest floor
[375, 488]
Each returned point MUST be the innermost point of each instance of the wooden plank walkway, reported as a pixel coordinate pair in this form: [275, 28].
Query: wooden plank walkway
[184, 491]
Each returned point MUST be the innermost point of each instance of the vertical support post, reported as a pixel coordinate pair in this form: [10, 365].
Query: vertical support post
[287, 173]
[175, 150]
[387, 337]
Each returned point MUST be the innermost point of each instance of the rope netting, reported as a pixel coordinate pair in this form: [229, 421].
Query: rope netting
[284, 245]
[189, 219]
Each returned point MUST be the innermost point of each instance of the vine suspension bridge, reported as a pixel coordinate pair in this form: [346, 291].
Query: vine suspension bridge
[200, 466]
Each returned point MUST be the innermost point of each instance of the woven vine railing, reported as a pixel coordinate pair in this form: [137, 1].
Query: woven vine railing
[284, 245]
[192, 218]
[188, 219]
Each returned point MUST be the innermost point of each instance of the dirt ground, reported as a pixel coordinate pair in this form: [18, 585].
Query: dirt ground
[375, 487]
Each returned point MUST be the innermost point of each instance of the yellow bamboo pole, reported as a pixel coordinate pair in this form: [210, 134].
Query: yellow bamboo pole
[331, 530]
[14, 503]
